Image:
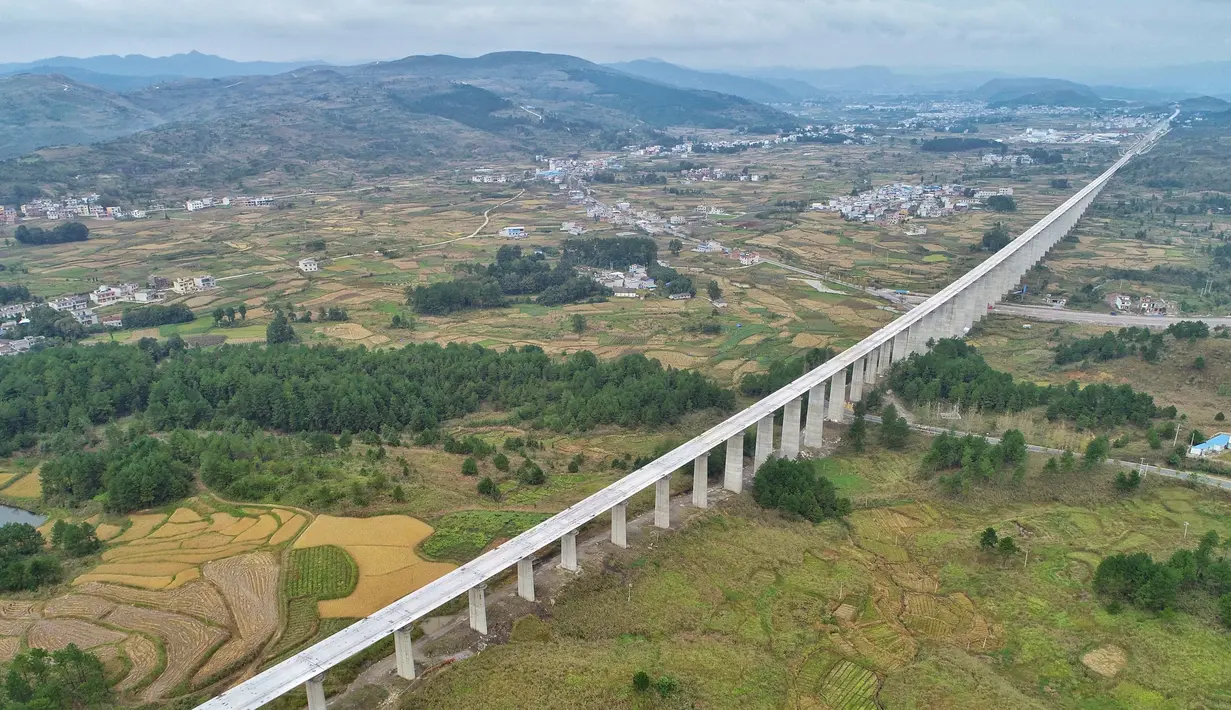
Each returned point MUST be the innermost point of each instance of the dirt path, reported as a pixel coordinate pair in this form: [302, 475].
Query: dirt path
[487, 218]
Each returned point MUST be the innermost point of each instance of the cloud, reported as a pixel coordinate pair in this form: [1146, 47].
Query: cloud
[732, 33]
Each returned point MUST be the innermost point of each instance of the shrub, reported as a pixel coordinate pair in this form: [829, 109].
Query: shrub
[641, 681]
[470, 467]
[667, 685]
[1127, 482]
[988, 539]
[501, 462]
[530, 474]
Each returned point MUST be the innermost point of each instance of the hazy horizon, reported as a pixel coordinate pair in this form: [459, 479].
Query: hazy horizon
[1013, 36]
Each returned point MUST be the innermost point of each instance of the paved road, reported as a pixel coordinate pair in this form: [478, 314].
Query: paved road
[1102, 318]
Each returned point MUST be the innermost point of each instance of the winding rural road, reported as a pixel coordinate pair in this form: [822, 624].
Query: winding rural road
[487, 218]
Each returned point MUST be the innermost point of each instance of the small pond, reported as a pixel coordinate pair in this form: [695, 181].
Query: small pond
[17, 515]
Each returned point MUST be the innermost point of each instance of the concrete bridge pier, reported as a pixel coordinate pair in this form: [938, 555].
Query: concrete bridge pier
[619, 524]
[814, 427]
[478, 608]
[733, 472]
[790, 428]
[765, 441]
[884, 358]
[701, 480]
[662, 502]
[403, 652]
[315, 687]
[525, 579]
[568, 551]
[901, 346]
[837, 396]
[857, 380]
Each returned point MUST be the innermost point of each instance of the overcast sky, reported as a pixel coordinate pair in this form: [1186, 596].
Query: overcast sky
[1000, 34]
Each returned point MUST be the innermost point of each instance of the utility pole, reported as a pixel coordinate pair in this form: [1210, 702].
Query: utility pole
[1185, 531]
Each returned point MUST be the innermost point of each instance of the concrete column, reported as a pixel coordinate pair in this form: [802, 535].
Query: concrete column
[403, 652]
[619, 524]
[790, 428]
[701, 480]
[765, 441]
[525, 579]
[857, 379]
[733, 474]
[901, 345]
[837, 396]
[885, 359]
[568, 551]
[478, 609]
[316, 692]
[662, 502]
[814, 427]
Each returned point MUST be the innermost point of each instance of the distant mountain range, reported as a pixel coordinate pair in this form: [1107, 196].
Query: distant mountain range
[193, 64]
[380, 117]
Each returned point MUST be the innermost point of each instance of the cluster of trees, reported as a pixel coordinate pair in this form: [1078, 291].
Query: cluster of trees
[76, 540]
[616, 253]
[13, 294]
[513, 274]
[953, 145]
[23, 564]
[1139, 580]
[1112, 345]
[783, 372]
[51, 324]
[996, 238]
[61, 234]
[279, 330]
[990, 541]
[69, 678]
[1043, 156]
[154, 316]
[792, 485]
[954, 371]
[228, 314]
[1002, 203]
[446, 297]
[335, 389]
[969, 459]
[133, 475]
[1125, 342]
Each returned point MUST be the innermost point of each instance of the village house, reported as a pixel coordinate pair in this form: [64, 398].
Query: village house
[516, 232]
[1119, 301]
[309, 265]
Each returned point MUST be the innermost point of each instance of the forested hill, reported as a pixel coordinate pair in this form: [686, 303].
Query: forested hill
[302, 389]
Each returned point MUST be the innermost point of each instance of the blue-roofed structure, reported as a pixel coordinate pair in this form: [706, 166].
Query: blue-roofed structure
[1214, 445]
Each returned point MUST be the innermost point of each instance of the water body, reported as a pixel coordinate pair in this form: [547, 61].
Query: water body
[17, 515]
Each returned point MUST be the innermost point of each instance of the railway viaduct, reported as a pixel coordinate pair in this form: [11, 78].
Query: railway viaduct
[828, 389]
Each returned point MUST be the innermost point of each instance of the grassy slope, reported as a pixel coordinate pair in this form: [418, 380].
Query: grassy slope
[739, 608]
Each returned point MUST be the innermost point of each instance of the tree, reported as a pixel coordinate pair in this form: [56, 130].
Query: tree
[1051, 468]
[470, 467]
[231, 314]
[713, 291]
[76, 540]
[279, 331]
[1096, 452]
[1199, 363]
[219, 314]
[1068, 462]
[988, 539]
[1127, 482]
[794, 486]
[579, 323]
[895, 431]
[996, 238]
[501, 462]
[1013, 445]
[530, 474]
[243, 311]
[858, 433]
[487, 487]
[675, 246]
[1006, 547]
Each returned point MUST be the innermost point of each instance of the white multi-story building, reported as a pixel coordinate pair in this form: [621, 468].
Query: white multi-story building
[309, 265]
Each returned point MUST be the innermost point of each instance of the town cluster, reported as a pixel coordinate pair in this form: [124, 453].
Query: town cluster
[81, 305]
[89, 207]
[1051, 136]
[624, 214]
[899, 202]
